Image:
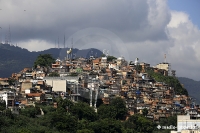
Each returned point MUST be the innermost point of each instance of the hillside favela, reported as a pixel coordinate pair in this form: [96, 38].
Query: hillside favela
[95, 94]
[99, 66]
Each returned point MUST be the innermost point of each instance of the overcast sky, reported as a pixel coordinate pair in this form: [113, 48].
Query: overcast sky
[147, 29]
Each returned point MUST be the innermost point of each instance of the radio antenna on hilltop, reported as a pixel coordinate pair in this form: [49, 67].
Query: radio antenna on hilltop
[72, 49]
[64, 40]
[6, 38]
[9, 36]
[58, 42]
[165, 60]
[72, 42]
[106, 52]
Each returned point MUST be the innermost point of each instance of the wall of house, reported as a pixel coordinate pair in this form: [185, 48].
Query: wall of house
[26, 85]
[163, 66]
[57, 84]
[184, 121]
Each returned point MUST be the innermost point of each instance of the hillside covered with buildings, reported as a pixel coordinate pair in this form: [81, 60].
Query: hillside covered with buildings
[153, 91]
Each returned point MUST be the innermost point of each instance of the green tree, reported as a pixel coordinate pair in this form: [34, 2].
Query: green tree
[64, 103]
[106, 111]
[171, 120]
[44, 60]
[107, 126]
[83, 111]
[115, 110]
[111, 58]
[30, 111]
[2, 105]
[83, 124]
[145, 111]
[85, 131]
[120, 107]
[23, 130]
[62, 121]
[140, 124]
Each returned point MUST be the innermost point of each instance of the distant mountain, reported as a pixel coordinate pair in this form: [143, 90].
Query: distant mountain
[13, 58]
[192, 86]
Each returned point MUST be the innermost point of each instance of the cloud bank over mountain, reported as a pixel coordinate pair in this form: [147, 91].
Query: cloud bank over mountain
[146, 29]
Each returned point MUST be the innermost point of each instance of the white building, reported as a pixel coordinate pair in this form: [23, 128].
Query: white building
[59, 83]
[164, 66]
[8, 97]
[187, 125]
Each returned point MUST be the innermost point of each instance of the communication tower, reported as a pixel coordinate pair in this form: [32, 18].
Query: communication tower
[58, 42]
[165, 60]
[64, 41]
[106, 52]
[9, 36]
[72, 50]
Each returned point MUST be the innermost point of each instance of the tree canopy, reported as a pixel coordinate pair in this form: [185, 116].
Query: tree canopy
[115, 110]
[44, 60]
[79, 117]
[170, 80]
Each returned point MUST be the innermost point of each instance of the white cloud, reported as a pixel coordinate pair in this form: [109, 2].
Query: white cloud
[178, 18]
[185, 54]
[35, 45]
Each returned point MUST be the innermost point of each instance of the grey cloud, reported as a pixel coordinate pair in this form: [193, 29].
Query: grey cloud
[130, 28]
[49, 19]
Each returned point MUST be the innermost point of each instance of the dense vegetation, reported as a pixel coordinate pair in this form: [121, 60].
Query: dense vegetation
[170, 80]
[79, 117]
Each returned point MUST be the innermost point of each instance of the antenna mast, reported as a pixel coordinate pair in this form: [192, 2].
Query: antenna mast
[72, 50]
[165, 60]
[64, 40]
[9, 36]
[58, 42]
[6, 38]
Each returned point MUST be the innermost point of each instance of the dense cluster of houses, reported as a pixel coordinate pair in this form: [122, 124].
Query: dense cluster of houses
[98, 78]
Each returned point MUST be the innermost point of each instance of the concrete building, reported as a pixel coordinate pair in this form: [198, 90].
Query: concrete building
[187, 125]
[104, 62]
[59, 83]
[184, 122]
[8, 97]
[26, 85]
[164, 66]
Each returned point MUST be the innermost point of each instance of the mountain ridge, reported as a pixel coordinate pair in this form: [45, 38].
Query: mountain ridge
[14, 58]
[192, 87]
